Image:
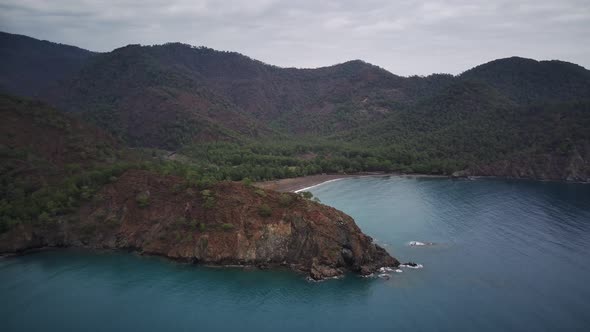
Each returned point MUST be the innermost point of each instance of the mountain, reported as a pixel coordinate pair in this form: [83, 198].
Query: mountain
[36, 137]
[533, 82]
[139, 99]
[65, 183]
[30, 66]
[231, 91]
[48, 161]
[233, 117]
[91, 165]
[227, 94]
[472, 126]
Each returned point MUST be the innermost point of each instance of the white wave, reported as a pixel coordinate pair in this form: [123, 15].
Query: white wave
[419, 244]
[418, 266]
[316, 185]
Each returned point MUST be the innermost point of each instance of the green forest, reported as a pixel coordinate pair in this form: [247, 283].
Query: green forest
[210, 116]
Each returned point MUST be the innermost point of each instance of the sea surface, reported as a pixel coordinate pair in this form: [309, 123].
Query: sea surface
[507, 256]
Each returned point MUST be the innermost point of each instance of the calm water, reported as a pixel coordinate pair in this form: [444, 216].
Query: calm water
[509, 255]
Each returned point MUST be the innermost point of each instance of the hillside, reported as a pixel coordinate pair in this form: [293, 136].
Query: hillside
[232, 117]
[471, 126]
[33, 133]
[68, 184]
[40, 148]
[528, 81]
[65, 183]
[227, 224]
[30, 66]
[135, 97]
[225, 90]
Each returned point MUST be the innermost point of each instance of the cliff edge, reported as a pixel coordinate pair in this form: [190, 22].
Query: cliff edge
[226, 224]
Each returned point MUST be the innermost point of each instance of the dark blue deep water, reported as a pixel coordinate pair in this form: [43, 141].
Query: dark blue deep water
[509, 256]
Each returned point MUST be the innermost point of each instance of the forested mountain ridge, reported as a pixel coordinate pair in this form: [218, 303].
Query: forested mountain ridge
[293, 101]
[528, 81]
[244, 118]
[67, 184]
[29, 66]
[146, 103]
[40, 148]
[473, 127]
[136, 148]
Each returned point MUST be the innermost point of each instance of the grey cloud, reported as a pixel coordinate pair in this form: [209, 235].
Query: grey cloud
[405, 37]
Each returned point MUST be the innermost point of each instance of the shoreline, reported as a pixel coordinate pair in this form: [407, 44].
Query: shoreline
[304, 183]
[316, 185]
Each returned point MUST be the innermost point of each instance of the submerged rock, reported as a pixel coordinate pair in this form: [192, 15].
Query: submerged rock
[227, 224]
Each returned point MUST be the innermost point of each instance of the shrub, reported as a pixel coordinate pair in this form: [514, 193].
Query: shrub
[44, 217]
[7, 224]
[285, 200]
[209, 203]
[86, 192]
[260, 192]
[188, 237]
[264, 210]
[306, 194]
[143, 199]
[100, 215]
[227, 227]
[179, 187]
[208, 198]
[193, 224]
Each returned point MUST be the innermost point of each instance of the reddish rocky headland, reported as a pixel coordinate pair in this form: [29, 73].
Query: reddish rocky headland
[227, 224]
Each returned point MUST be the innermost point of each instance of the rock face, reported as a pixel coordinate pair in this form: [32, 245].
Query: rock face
[228, 224]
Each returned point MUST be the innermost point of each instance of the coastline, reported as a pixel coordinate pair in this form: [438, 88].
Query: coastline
[304, 183]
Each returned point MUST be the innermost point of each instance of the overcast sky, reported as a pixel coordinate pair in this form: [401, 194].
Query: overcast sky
[404, 37]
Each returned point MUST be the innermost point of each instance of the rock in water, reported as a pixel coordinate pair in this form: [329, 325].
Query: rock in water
[227, 224]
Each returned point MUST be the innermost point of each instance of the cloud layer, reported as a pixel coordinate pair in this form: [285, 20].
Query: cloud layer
[405, 37]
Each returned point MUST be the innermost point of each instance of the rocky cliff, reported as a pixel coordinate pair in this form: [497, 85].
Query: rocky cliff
[227, 224]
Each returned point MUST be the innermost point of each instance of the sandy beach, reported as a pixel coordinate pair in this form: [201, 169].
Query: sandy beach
[306, 182]
[300, 183]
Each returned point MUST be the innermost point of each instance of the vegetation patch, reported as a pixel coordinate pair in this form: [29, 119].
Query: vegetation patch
[286, 199]
[143, 199]
[227, 227]
[260, 192]
[306, 194]
[264, 210]
[208, 199]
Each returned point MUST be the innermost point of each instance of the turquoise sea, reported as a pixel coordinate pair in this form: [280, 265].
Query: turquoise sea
[507, 256]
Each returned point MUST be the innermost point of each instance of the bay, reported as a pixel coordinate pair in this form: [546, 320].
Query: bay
[506, 255]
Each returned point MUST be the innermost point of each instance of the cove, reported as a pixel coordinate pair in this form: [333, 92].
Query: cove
[507, 255]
